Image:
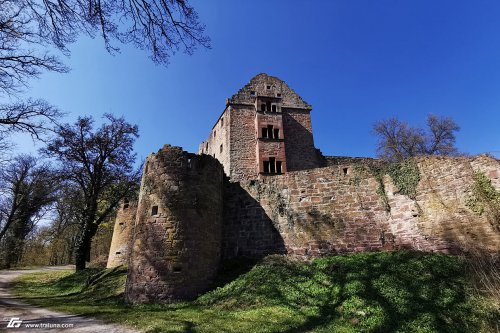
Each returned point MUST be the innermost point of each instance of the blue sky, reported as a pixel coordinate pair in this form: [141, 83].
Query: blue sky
[356, 62]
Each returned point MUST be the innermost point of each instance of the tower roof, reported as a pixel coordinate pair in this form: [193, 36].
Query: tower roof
[269, 86]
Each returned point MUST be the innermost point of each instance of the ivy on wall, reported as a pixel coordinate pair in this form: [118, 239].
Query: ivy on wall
[483, 198]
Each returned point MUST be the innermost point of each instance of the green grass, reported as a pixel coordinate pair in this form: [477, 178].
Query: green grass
[367, 292]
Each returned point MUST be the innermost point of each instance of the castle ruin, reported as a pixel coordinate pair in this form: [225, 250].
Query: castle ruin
[259, 186]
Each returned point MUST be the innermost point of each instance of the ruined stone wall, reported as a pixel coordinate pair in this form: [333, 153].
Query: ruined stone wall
[243, 142]
[300, 151]
[177, 238]
[122, 234]
[339, 209]
[217, 144]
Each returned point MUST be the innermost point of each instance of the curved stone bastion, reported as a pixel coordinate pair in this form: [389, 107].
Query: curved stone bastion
[177, 239]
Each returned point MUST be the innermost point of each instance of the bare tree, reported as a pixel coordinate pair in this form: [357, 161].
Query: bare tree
[30, 28]
[27, 189]
[399, 141]
[98, 165]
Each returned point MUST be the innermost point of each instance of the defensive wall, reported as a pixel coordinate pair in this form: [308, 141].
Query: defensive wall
[190, 216]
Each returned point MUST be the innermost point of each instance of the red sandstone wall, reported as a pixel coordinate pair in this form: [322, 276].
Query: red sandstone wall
[328, 210]
[119, 250]
[243, 142]
[300, 151]
[176, 247]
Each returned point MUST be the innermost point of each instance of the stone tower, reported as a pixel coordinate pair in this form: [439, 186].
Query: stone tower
[177, 238]
[265, 129]
[122, 234]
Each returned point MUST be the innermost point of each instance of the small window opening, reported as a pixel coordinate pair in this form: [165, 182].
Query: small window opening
[121, 223]
[146, 167]
[346, 171]
[273, 108]
[270, 131]
[125, 204]
[206, 146]
[221, 148]
[264, 132]
[118, 252]
[268, 106]
[278, 167]
[263, 107]
[252, 93]
[177, 269]
[215, 133]
[189, 163]
[221, 121]
[268, 87]
[266, 166]
[278, 94]
[154, 210]
[272, 165]
[276, 133]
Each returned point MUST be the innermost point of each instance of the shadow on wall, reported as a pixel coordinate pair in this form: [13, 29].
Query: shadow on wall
[300, 151]
[247, 231]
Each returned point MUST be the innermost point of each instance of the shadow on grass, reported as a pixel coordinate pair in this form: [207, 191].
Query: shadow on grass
[365, 292]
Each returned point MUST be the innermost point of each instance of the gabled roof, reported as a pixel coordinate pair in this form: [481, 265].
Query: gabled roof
[269, 86]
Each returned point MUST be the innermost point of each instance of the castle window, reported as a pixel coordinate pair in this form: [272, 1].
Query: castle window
[268, 106]
[215, 133]
[146, 167]
[270, 132]
[268, 87]
[266, 166]
[126, 202]
[346, 171]
[273, 108]
[189, 163]
[121, 223]
[177, 269]
[252, 93]
[272, 166]
[221, 121]
[278, 166]
[206, 147]
[154, 210]
[278, 95]
[117, 252]
[263, 107]
[221, 148]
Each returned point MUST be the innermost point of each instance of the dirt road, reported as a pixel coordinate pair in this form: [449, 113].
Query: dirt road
[26, 317]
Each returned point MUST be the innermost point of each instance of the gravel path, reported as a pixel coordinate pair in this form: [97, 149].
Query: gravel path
[13, 307]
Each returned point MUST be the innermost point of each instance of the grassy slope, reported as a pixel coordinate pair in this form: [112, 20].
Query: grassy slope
[368, 292]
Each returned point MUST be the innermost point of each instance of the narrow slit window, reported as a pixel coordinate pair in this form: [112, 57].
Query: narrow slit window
[121, 223]
[215, 133]
[273, 108]
[276, 133]
[263, 107]
[118, 252]
[221, 121]
[268, 106]
[346, 171]
[126, 202]
[221, 148]
[264, 132]
[154, 210]
[278, 167]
